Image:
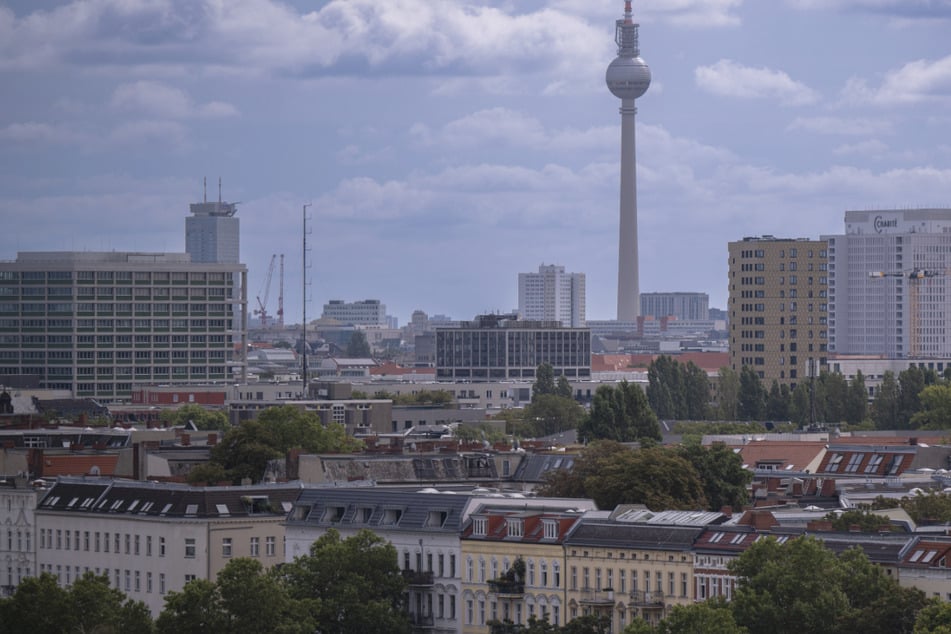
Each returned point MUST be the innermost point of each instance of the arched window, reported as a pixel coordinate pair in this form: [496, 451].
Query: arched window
[531, 572]
[544, 570]
[468, 568]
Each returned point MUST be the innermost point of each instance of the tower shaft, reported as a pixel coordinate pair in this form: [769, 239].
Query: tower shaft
[628, 287]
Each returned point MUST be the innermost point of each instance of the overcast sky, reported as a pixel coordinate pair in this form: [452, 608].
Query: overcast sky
[446, 146]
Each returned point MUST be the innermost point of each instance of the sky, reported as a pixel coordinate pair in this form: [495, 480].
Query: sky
[447, 146]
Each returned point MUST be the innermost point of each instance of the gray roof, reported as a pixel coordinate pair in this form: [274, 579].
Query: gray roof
[533, 466]
[628, 535]
[376, 507]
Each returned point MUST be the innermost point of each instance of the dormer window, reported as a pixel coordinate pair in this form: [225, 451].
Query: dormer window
[515, 526]
[551, 529]
[480, 526]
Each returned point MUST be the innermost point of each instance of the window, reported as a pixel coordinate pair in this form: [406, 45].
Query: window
[148, 545]
[189, 547]
[270, 546]
[161, 583]
[161, 547]
[479, 526]
[148, 582]
[255, 546]
[226, 547]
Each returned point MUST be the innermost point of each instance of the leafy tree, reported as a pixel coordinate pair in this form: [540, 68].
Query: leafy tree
[664, 388]
[866, 521]
[708, 617]
[549, 414]
[721, 471]
[357, 346]
[209, 473]
[910, 384]
[37, 605]
[571, 484]
[728, 394]
[350, 585]
[638, 626]
[656, 477]
[934, 618]
[831, 397]
[857, 400]
[563, 387]
[194, 609]
[935, 410]
[885, 404]
[544, 381]
[751, 403]
[202, 418]
[620, 413]
[778, 402]
[255, 601]
[800, 405]
[932, 507]
[780, 591]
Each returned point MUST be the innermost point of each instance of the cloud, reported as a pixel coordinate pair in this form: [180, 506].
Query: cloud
[33, 133]
[686, 13]
[844, 126]
[149, 132]
[915, 82]
[873, 147]
[903, 9]
[157, 99]
[729, 79]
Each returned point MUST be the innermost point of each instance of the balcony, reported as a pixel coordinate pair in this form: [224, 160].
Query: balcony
[504, 627]
[418, 578]
[421, 621]
[592, 597]
[506, 587]
[647, 599]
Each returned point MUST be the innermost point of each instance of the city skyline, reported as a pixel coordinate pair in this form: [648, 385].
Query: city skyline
[447, 147]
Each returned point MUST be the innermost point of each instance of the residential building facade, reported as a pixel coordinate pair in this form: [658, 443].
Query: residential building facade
[685, 306]
[99, 324]
[552, 295]
[778, 303]
[18, 499]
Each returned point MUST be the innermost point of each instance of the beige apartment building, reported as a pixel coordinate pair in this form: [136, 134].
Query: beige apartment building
[778, 307]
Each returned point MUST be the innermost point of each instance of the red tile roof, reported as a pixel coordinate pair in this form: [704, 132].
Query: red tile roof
[78, 465]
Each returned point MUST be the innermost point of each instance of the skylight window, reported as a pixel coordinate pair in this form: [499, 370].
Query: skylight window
[191, 509]
[222, 509]
[917, 555]
[716, 537]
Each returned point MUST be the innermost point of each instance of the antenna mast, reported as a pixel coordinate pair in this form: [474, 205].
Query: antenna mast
[280, 298]
[304, 303]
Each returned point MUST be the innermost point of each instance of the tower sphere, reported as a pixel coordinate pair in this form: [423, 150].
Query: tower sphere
[628, 77]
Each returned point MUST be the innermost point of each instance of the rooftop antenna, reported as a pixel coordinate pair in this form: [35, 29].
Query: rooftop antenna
[304, 302]
[204, 188]
[219, 190]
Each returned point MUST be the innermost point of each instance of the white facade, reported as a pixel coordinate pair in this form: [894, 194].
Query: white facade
[368, 312]
[97, 324]
[890, 284]
[552, 295]
[17, 532]
[212, 233]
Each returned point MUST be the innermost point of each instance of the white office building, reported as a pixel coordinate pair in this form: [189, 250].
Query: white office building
[684, 306]
[99, 324]
[889, 284]
[552, 295]
[212, 233]
[368, 312]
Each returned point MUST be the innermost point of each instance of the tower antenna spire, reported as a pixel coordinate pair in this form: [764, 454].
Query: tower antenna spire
[219, 190]
[204, 188]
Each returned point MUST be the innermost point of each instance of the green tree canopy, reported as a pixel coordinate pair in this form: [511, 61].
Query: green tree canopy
[620, 413]
[728, 394]
[866, 521]
[350, 585]
[357, 346]
[201, 417]
[708, 617]
[544, 381]
[549, 414]
[885, 403]
[935, 412]
[751, 399]
[721, 471]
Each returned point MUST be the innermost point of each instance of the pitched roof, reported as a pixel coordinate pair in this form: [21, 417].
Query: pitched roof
[597, 532]
[103, 464]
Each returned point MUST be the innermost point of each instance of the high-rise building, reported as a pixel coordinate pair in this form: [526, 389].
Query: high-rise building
[628, 78]
[552, 295]
[100, 323]
[368, 312]
[685, 306]
[212, 232]
[890, 284]
[778, 307]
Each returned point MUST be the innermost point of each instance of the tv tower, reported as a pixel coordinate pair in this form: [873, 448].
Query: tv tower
[628, 78]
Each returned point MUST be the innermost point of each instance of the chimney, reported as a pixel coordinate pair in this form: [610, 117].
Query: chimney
[212, 439]
[185, 440]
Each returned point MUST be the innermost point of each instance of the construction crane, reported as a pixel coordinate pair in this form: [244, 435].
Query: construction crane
[916, 277]
[280, 298]
[261, 310]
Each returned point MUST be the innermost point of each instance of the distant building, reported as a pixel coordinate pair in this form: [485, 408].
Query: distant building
[552, 295]
[98, 324]
[890, 284]
[368, 312]
[778, 308]
[685, 306]
[496, 347]
[212, 233]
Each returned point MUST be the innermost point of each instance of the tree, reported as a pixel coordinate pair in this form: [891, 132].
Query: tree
[831, 397]
[549, 414]
[570, 483]
[778, 401]
[208, 473]
[664, 388]
[708, 617]
[935, 410]
[544, 381]
[857, 400]
[255, 601]
[202, 418]
[885, 404]
[866, 521]
[620, 413]
[721, 471]
[357, 346]
[563, 387]
[194, 609]
[910, 384]
[751, 400]
[934, 618]
[350, 585]
[39, 604]
[728, 394]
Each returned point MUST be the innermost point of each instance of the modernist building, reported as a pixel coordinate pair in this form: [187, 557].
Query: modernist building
[552, 295]
[150, 538]
[368, 312]
[778, 303]
[683, 306]
[502, 347]
[98, 324]
[212, 232]
[889, 284]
